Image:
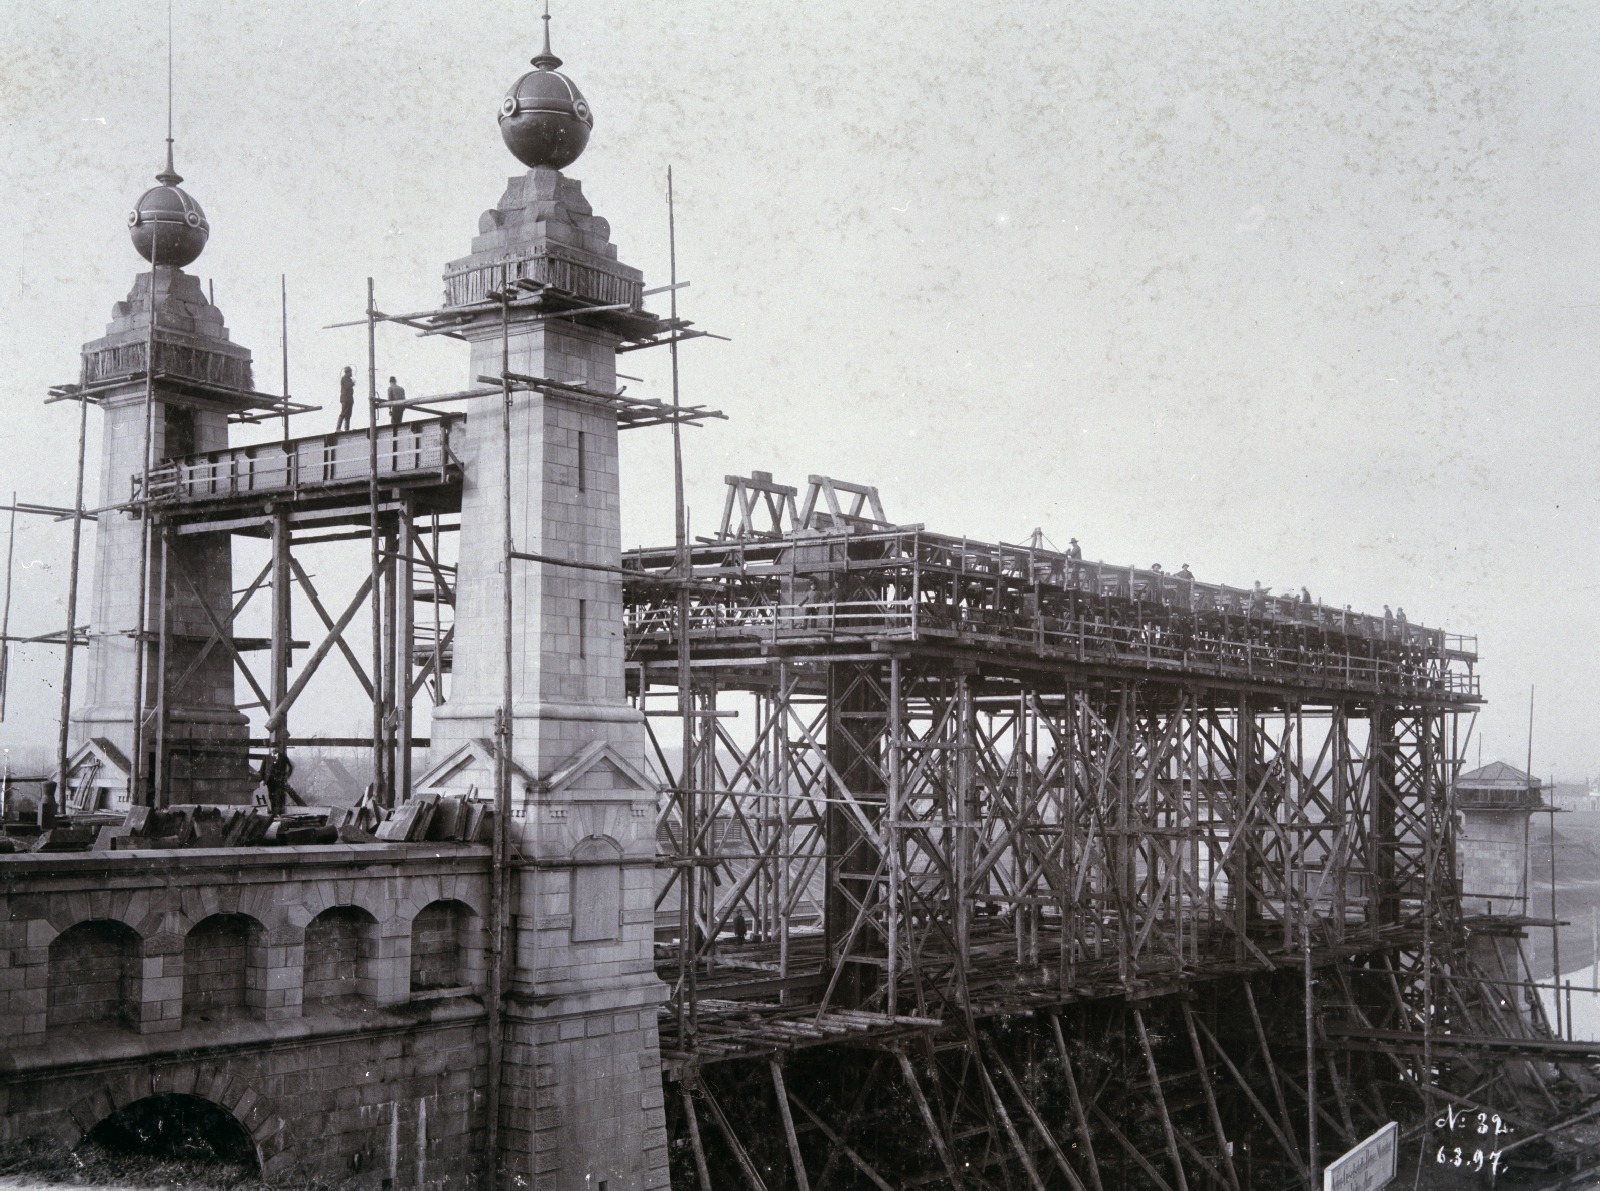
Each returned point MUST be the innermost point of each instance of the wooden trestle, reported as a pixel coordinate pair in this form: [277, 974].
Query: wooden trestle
[1076, 851]
[319, 489]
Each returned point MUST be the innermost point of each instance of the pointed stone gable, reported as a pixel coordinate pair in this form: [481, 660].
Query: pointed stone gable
[471, 768]
[597, 771]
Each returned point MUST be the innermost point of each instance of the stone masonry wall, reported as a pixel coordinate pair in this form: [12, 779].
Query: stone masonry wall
[94, 975]
[1492, 858]
[130, 974]
[595, 1108]
[359, 1107]
[341, 944]
[217, 965]
[436, 947]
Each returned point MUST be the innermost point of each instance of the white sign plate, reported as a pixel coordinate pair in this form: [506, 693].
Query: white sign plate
[1369, 1166]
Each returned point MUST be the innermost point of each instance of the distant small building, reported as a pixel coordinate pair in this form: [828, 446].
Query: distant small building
[1495, 802]
[1573, 796]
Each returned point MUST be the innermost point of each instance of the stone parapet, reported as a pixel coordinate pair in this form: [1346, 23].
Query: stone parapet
[543, 230]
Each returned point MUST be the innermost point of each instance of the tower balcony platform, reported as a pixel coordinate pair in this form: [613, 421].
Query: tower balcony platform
[329, 473]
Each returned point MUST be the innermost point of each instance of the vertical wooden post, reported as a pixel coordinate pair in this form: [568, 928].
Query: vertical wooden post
[283, 344]
[282, 626]
[137, 794]
[160, 795]
[72, 609]
[380, 779]
[499, 891]
[1311, 1059]
[1067, 812]
[891, 835]
[5, 613]
[689, 878]
[437, 579]
[780, 742]
[1339, 726]
[965, 825]
[1243, 763]
[405, 632]
[389, 690]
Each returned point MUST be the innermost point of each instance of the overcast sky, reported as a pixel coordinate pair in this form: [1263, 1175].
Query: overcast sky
[1303, 293]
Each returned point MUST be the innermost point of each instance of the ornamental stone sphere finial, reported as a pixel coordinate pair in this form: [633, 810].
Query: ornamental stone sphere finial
[544, 120]
[167, 226]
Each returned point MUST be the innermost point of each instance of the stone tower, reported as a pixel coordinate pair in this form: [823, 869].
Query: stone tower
[199, 377]
[580, 1017]
[1495, 804]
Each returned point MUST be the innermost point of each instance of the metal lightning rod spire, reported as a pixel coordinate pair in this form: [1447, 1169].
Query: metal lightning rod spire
[169, 80]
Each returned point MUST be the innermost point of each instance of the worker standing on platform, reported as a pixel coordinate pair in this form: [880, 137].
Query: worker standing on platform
[396, 396]
[347, 399]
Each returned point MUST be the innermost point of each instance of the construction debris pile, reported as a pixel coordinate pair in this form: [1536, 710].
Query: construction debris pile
[427, 818]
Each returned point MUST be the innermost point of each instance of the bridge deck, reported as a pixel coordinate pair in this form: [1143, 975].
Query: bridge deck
[908, 589]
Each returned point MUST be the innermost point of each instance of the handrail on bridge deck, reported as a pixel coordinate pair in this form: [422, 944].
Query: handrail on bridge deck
[1082, 639]
[409, 450]
[1025, 569]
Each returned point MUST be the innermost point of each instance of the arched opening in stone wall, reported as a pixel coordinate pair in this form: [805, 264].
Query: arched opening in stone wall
[446, 948]
[176, 1128]
[224, 968]
[341, 950]
[596, 890]
[94, 976]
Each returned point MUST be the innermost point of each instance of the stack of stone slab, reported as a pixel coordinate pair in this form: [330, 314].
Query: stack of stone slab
[426, 818]
[187, 827]
[449, 819]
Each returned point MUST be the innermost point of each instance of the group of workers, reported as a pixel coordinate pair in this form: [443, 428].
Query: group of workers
[1261, 600]
[347, 400]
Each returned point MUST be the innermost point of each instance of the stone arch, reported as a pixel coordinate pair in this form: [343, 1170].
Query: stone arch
[63, 912]
[340, 959]
[94, 975]
[446, 946]
[221, 1085]
[596, 890]
[178, 1125]
[346, 892]
[224, 967]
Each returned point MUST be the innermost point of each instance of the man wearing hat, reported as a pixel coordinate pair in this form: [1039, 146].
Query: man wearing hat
[347, 399]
